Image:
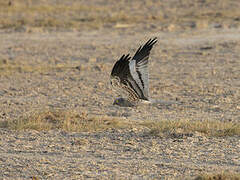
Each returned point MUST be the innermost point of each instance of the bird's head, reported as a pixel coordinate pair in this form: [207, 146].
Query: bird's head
[122, 102]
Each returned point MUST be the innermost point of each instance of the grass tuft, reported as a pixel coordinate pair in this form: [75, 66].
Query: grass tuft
[209, 128]
[65, 120]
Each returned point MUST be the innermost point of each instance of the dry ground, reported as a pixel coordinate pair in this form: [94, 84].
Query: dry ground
[55, 61]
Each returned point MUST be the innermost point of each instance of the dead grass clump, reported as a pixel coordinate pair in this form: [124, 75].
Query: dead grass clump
[64, 120]
[220, 176]
[209, 128]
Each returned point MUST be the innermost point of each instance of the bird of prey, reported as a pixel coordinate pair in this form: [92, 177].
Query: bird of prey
[130, 76]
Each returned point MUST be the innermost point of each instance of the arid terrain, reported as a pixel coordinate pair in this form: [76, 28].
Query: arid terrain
[57, 118]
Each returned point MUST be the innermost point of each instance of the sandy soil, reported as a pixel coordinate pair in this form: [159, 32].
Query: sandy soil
[198, 67]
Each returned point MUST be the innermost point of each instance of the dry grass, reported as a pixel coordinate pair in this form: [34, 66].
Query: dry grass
[64, 120]
[219, 176]
[79, 15]
[74, 15]
[75, 122]
[185, 127]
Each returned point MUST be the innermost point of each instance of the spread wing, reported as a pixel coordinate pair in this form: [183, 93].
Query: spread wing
[132, 75]
[139, 66]
[122, 79]
[121, 68]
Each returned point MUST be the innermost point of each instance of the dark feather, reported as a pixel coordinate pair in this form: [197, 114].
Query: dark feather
[144, 51]
[121, 68]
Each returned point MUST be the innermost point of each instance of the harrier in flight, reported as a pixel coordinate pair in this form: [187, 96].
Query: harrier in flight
[130, 76]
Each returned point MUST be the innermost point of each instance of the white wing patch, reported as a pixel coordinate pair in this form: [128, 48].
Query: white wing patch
[133, 71]
[142, 68]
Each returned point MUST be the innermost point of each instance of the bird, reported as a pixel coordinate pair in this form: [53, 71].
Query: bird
[130, 77]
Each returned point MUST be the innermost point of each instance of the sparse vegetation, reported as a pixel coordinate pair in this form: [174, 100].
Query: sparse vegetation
[185, 127]
[64, 120]
[73, 15]
[73, 121]
[219, 176]
[77, 15]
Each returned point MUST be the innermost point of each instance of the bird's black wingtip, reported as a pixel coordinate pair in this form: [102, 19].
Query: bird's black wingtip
[153, 40]
[125, 57]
